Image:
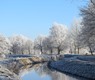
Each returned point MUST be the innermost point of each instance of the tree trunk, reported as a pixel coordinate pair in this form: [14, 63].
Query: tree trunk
[91, 50]
[75, 49]
[41, 50]
[29, 51]
[78, 50]
[70, 50]
[51, 51]
[22, 52]
[58, 51]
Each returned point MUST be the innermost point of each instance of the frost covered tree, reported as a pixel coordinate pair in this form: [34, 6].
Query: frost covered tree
[38, 44]
[48, 45]
[58, 34]
[29, 46]
[18, 44]
[4, 45]
[74, 35]
[88, 29]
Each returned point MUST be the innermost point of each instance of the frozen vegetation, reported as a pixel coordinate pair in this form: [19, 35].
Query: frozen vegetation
[9, 66]
[83, 66]
[5, 74]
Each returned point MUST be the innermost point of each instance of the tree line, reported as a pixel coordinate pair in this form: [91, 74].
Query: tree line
[79, 38]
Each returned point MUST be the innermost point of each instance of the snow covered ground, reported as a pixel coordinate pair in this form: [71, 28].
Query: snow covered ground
[83, 66]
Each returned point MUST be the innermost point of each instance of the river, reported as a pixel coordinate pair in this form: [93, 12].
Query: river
[40, 72]
[36, 72]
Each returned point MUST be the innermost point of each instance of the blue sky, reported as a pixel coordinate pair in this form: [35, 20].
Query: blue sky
[34, 17]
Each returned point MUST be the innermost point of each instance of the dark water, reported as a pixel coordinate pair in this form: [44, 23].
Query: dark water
[40, 72]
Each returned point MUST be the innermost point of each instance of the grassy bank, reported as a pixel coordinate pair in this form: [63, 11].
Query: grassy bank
[77, 65]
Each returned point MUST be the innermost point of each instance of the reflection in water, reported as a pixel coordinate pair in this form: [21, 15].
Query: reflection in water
[38, 72]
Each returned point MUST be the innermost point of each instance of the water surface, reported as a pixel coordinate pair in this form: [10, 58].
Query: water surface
[42, 72]
[39, 72]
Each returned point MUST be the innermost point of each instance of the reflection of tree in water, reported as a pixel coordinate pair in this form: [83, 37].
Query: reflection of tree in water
[5, 74]
[41, 69]
[55, 75]
[65, 76]
[19, 69]
[59, 76]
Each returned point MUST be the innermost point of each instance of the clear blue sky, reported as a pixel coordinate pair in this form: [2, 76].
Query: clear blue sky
[34, 17]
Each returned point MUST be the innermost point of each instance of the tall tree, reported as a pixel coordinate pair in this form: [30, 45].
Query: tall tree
[88, 29]
[58, 34]
[74, 36]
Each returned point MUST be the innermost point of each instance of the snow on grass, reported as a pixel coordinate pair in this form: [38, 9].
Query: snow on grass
[5, 74]
[76, 66]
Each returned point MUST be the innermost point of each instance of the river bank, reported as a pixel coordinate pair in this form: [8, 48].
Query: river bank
[83, 66]
[10, 64]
